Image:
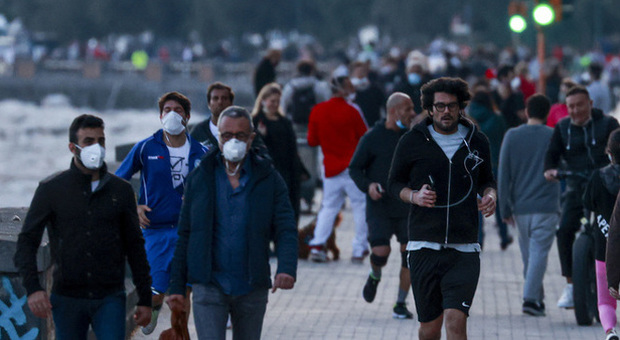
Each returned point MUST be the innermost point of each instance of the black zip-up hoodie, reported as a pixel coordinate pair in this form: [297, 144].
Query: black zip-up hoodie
[581, 147]
[371, 163]
[454, 219]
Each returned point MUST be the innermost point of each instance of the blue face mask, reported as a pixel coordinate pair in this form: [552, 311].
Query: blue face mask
[414, 78]
[401, 125]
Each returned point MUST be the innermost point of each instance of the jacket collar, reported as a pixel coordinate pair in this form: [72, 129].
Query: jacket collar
[261, 166]
[423, 127]
[104, 176]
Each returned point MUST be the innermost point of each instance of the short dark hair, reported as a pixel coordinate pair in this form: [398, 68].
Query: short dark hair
[504, 70]
[577, 89]
[305, 67]
[613, 145]
[236, 112]
[177, 97]
[538, 106]
[220, 86]
[595, 70]
[455, 86]
[337, 83]
[83, 122]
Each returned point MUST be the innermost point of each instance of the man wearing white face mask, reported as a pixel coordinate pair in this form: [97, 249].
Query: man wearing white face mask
[235, 203]
[164, 160]
[368, 95]
[93, 229]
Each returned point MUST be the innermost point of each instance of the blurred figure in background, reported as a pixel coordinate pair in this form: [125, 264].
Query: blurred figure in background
[219, 97]
[301, 93]
[559, 110]
[508, 99]
[266, 70]
[417, 75]
[337, 126]
[483, 110]
[599, 91]
[279, 137]
[368, 95]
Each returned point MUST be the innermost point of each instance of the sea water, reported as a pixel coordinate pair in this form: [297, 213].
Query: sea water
[34, 142]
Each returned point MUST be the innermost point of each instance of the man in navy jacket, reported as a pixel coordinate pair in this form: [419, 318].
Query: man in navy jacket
[235, 203]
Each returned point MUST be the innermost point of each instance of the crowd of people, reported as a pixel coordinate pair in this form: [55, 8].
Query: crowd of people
[423, 153]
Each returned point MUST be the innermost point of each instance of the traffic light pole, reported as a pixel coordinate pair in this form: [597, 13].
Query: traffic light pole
[540, 47]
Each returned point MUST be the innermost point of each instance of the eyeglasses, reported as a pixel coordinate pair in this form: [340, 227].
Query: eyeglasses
[441, 107]
[242, 136]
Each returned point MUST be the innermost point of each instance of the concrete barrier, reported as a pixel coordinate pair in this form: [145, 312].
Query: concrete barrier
[16, 319]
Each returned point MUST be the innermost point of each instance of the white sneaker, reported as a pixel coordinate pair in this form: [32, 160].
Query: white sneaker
[318, 255]
[612, 335]
[566, 300]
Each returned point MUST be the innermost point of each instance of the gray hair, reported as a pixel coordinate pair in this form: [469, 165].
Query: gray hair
[236, 112]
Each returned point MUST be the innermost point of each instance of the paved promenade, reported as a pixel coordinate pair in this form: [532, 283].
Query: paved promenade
[327, 303]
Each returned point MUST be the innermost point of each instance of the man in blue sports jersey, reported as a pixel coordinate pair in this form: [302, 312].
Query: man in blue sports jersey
[164, 161]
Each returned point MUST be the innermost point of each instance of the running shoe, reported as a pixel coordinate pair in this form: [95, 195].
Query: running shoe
[533, 308]
[370, 288]
[401, 311]
[612, 335]
[318, 255]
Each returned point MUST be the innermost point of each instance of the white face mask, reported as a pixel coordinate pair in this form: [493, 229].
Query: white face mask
[234, 150]
[173, 123]
[92, 156]
[351, 97]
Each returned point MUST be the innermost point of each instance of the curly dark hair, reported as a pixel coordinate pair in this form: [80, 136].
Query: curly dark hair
[455, 86]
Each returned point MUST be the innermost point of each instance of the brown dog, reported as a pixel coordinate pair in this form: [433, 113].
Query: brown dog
[306, 233]
[178, 331]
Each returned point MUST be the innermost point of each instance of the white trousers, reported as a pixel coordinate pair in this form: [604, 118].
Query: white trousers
[334, 190]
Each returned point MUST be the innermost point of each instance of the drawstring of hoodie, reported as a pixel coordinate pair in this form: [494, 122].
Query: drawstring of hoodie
[585, 139]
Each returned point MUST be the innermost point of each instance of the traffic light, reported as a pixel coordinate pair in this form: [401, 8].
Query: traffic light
[543, 13]
[517, 12]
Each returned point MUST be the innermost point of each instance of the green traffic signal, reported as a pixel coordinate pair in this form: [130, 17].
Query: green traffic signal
[517, 23]
[544, 14]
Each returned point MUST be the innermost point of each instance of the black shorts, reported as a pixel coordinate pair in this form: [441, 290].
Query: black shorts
[443, 279]
[381, 229]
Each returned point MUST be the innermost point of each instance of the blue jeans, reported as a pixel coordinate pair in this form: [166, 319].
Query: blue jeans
[211, 309]
[72, 316]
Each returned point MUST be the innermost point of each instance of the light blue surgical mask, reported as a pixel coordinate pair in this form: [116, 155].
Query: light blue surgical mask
[414, 78]
[401, 125]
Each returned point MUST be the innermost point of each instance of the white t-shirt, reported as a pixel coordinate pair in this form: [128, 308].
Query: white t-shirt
[214, 130]
[449, 143]
[179, 163]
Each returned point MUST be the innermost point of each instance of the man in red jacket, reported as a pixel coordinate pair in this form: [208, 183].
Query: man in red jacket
[337, 126]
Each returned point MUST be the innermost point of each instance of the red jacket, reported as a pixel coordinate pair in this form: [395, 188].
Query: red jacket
[337, 127]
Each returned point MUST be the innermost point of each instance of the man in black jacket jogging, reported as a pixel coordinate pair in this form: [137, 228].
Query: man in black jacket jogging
[93, 227]
[385, 215]
[439, 168]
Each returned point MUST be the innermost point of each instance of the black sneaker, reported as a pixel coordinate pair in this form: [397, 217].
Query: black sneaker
[370, 289]
[401, 311]
[534, 308]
